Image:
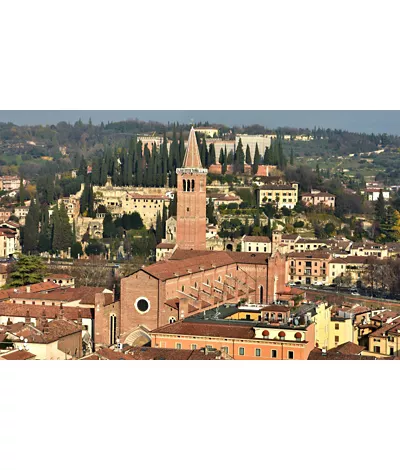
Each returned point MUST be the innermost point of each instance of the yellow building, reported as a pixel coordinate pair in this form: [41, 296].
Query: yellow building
[350, 267]
[281, 195]
[322, 321]
[341, 331]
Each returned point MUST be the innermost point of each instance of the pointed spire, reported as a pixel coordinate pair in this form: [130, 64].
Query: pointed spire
[192, 155]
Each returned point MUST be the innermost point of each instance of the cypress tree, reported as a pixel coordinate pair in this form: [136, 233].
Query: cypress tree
[159, 228]
[380, 212]
[248, 155]
[31, 230]
[181, 149]
[62, 235]
[96, 172]
[239, 158]
[212, 159]
[257, 159]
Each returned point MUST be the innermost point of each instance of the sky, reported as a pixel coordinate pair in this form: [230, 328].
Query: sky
[357, 121]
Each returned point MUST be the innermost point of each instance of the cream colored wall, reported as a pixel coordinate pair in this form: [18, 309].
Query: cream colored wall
[322, 322]
[345, 332]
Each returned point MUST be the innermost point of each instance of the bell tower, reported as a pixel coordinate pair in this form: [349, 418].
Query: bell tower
[191, 199]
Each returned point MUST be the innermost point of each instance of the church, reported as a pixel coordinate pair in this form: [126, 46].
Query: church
[194, 279]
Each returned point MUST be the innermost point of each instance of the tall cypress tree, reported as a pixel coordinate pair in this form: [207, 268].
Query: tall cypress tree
[31, 229]
[212, 158]
[239, 158]
[62, 234]
[181, 149]
[159, 228]
[248, 155]
[257, 158]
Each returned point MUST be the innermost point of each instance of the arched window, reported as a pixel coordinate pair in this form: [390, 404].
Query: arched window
[172, 320]
[188, 185]
[184, 185]
[192, 185]
[113, 329]
[261, 294]
[195, 285]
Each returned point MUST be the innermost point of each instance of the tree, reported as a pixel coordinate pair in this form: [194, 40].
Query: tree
[257, 158]
[95, 248]
[62, 233]
[380, 212]
[76, 250]
[210, 213]
[239, 158]
[159, 228]
[109, 229]
[330, 229]
[248, 155]
[31, 229]
[27, 270]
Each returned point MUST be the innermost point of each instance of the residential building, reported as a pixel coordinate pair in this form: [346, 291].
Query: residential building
[9, 242]
[10, 183]
[316, 198]
[62, 279]
[341, 330]
[256, 244]
[219, 199]
[349, 268]
[5, 214]
[21, 212]
[372, 194]
[368, 248]
[59, 339]
[385, 340]
[309, 267]
[241, 339]
[281, 195]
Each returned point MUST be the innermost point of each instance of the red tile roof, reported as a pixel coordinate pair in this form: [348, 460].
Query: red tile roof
[57, 329]
[206, 329]
[18, 355]
[348, 348]
[50, 311]
[248, 238]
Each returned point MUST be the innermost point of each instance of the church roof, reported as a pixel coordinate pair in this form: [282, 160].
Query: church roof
[192, 155]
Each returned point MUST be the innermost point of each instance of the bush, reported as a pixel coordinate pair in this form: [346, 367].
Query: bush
[298, 224]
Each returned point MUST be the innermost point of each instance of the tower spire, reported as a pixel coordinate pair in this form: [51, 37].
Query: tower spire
[192, 156]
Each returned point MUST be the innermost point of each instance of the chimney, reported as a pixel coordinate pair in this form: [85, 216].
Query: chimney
[28, 317]
[79, 317]
[28, 289]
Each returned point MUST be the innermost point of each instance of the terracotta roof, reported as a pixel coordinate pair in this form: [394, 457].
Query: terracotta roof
[34, 288]
[166, 246]
[206, 329]
[275, 308]
[36, 311]
[172, 354]
[316, 354]
[248, 238]
[348, 348]
[18, 355]
[192, 156]
[276, 187]
[56, 329]
[387, 329]
[58, 276]
[320, 194]
[287, 290]
[385, 316]
[85, 295]
[310, 255]
[351, 260]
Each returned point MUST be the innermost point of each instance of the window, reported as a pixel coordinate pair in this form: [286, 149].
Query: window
[258, 352]
[290, 355]
[183, 289]
[241, 351]
[336, 326]
[377, 349]
[178, 346]
[225, 349]
[142, 305]
[336, 339]
[187, 209]
[274, 353]
[193, 346]
[172, 320]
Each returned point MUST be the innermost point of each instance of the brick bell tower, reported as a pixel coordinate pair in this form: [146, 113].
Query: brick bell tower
[191, 202]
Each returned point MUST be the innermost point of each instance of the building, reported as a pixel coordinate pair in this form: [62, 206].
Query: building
[59, 339]
[224, 199]
[9, 242]
[262, 141]
[372, 194]
[256, 244]
[5, 214]
[191, 202]
[72, 205]
[148, 202]
[349, 268]
[265, 170]
[61, 279]
[21, 212]
[207, 131]
[10, 183]
[309, 267]
[251, 335]
[281, 195]
[369, 248]
[316, 198]
[192, 281]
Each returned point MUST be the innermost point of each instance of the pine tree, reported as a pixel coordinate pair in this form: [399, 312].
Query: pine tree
[257, 158]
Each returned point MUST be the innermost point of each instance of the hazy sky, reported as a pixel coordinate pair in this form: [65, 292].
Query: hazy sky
[360, 121]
